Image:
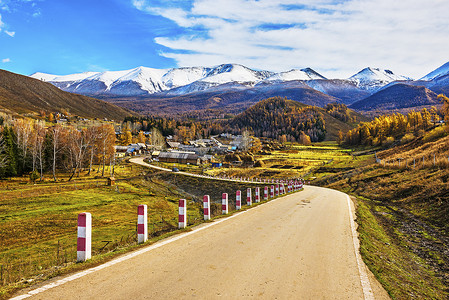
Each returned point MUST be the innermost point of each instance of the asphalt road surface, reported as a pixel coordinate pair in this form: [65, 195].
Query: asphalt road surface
[300, 246]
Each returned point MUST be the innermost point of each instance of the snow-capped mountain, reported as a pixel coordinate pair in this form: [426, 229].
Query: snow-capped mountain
[234, 78]
[295, 74]
[142, 80]
[438, 73]
[371, 79]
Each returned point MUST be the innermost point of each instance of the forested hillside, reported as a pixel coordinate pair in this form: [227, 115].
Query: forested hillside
[278, 117]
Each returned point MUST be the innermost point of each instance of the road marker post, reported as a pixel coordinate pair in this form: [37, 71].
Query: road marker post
[277, 190]
[257, 196]
[272, 192]
[142, 223]
[84, 240]
[182, 216]
[265, 193]
[238, 200]
[249, 199]
[224, 204]
[206, 207]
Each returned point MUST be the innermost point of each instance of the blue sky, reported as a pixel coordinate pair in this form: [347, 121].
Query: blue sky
[335, 37]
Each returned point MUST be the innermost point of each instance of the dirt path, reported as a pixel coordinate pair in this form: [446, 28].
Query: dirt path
[296, 247]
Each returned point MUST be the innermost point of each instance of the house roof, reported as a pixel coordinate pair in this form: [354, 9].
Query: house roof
[178, 155]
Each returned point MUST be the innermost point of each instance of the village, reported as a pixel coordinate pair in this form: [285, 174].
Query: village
[195, 152]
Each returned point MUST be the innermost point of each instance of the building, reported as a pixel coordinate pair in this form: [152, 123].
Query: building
[179, 157]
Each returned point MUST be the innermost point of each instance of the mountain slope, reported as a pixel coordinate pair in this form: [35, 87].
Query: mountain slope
[230, 98]
[22, 94]
[397, 96]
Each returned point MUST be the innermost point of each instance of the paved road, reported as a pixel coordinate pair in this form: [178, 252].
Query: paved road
[139, 161]
[299, 246]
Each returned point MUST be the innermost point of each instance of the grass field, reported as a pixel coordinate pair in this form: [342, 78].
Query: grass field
[38, 222]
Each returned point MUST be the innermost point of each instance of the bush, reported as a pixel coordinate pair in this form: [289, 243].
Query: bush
[435, 134]
[389, 141]
[407, 138]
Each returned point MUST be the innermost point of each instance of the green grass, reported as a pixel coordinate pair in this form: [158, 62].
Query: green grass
[402, 273]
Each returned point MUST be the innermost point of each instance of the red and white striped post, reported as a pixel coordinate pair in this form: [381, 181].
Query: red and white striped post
[238, 200]
[272, 192]
[182, 217]
[257, 196]
[265, 193]
[277, 190]
[142, 223]
[224, 204]
[206, 207]
[281, 189]
[249, 198]
[84, 241]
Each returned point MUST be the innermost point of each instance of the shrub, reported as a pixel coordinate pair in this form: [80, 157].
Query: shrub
[407, 138]
[435, 134]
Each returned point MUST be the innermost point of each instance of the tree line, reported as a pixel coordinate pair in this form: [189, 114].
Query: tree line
[388, 128]
[31, 146]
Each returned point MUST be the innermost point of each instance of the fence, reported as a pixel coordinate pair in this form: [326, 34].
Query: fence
[421, 162]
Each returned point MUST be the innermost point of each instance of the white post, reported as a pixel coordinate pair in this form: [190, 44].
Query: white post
[182, 217]
[272, 192]
[265, 193]
[206, 207]
[277, 190]
[84, 241]
[224, 204]
[257, 194]
[238, 200]
[142, 223]
[249, 199]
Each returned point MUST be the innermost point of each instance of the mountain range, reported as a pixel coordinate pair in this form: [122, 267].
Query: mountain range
[235, 86]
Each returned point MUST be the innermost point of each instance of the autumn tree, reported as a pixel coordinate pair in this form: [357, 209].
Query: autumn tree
[141, 137]
[445, 108]
[304, 139]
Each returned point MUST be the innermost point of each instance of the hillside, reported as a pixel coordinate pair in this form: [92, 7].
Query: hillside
[22, 94]
[230, 98]
[276, 117]
[396, 97]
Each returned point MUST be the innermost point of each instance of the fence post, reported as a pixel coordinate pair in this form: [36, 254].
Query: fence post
[238, 200]
[206, 207]
[277, 190]
[272, 192]
[224, 203]
[265, 192]
[182, 221]
[257, 194]
[84, 241]
[249, 199]
[142, 223]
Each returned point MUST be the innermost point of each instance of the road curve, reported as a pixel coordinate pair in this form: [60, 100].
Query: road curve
[139, 161]
[299, 246]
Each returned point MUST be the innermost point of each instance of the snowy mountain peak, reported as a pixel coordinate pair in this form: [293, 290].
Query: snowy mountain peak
[373, 78]
[295, 74]
[440, 72]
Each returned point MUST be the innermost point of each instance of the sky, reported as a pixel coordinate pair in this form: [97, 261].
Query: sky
[336, 38]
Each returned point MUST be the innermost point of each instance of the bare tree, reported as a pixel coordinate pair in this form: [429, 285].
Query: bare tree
[3, 157]
[57, 133]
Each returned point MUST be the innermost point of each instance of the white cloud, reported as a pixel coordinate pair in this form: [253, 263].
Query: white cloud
[6, 60]
[10, 33]
[334, 37]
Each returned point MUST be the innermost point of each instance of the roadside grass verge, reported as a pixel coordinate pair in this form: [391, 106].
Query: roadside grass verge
[384, 249]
